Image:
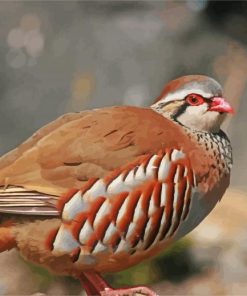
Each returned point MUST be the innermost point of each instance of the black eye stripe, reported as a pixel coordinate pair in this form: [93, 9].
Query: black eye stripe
[183, 108]
[207, 100]
[180, 110]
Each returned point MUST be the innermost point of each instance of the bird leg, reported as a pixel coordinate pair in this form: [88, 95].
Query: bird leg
[94, 285]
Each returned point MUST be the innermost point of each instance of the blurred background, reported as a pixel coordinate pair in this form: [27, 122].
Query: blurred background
[59, 57]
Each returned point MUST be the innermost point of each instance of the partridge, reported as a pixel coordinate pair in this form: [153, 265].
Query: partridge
[101, 190]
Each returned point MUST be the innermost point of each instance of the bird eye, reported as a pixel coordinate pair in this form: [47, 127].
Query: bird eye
[194, 99]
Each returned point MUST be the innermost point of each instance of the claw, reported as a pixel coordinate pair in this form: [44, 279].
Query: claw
[135, 291]
[94, 285]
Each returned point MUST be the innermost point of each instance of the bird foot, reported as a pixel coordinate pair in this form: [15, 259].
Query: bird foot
[134, 291]
[94, 285]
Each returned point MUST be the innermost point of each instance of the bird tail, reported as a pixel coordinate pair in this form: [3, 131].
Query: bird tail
[19, 200]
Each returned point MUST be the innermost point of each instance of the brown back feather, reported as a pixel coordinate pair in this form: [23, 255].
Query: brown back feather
[67, 152]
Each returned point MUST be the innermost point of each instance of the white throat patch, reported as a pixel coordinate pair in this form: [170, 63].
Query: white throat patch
[198, 118]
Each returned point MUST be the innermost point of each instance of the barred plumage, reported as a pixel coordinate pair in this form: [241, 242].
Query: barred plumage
[129, 211]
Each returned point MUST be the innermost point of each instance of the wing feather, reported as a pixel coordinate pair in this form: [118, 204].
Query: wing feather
[68, 152]
[18, 200]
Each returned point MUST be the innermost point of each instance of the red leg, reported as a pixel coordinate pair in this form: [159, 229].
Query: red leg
[95, 285]
[90, 289]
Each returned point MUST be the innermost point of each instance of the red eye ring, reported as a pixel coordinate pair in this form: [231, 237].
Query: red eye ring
[194, 99]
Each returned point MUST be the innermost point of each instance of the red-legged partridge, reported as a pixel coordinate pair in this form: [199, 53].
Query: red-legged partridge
[102, 190]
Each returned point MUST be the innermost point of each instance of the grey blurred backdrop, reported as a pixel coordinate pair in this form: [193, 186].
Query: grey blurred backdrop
[68, 56]
[58, 57]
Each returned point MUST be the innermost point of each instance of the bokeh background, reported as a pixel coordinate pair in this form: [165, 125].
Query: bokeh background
[59, 57]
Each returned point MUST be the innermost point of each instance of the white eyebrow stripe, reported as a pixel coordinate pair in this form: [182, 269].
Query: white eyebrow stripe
[180, 95]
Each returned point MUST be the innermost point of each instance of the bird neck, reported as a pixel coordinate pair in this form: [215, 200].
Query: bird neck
[217, 146]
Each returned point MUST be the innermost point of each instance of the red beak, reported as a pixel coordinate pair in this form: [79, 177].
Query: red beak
[219, 104]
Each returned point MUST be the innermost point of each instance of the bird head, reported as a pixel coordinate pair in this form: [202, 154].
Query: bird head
[194, 101]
